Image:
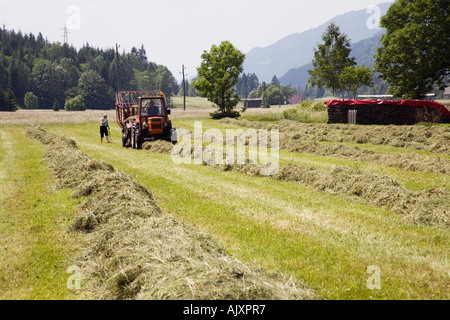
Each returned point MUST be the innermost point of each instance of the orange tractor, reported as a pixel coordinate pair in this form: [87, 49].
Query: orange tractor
[143, 116]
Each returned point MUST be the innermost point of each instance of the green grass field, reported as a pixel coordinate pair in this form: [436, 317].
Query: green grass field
[36, 247]
[315, 228]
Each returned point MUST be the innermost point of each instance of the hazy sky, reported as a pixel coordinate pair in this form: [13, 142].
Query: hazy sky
[173, 32]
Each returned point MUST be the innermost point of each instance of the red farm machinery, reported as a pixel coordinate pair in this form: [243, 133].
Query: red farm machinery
[143, 116]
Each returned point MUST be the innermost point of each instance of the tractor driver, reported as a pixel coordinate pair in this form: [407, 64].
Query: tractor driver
[153, 110]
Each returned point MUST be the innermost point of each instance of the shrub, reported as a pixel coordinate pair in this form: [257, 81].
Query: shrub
[31, 101]
[75, 104]
[319, 106]
[306, 104]
[220, 115]
[56, 105]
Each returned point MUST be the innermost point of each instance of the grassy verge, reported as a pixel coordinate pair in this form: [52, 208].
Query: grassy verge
[306, 112]
[326, 240]
[35, 246]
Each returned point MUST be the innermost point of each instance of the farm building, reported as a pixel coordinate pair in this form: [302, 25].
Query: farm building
[252, 103]
[295, 99]
[407, 112]
[447, 93]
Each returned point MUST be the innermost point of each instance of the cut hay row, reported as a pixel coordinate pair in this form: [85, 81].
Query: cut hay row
[136, 251]
[305, 138]
[158, 146]
[426, 207]
[403, 161]
[434, 139]
[291, 141]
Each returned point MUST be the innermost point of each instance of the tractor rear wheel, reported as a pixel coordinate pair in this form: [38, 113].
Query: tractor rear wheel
[138, 138]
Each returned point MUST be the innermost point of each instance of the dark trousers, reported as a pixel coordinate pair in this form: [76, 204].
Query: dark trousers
[103, 131]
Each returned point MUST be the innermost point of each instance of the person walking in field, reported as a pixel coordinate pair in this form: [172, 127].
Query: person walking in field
[104, 126]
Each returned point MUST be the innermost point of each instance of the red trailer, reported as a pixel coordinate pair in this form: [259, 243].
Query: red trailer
[386, 112]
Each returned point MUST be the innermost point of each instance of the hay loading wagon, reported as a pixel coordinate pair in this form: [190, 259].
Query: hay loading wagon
[386, 112]
[143, 116]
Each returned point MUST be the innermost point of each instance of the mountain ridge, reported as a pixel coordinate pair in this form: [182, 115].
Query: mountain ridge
[297, 49]
[363, 52]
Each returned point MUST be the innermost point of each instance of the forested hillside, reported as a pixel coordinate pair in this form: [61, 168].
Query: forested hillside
[37, 74]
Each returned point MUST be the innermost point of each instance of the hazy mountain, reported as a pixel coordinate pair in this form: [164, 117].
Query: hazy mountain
[363, 51]
[297, 50]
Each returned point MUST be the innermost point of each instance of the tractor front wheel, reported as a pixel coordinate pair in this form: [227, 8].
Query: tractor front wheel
[133, 136]
[124, 140]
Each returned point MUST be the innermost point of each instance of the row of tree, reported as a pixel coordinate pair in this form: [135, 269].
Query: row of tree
[273, 93]
[37, 74]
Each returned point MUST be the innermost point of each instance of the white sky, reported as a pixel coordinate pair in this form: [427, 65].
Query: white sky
[173, 32]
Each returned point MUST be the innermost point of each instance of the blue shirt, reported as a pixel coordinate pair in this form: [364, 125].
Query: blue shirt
[104, 122]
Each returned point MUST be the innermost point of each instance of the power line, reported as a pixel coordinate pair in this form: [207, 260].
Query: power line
[65, 35]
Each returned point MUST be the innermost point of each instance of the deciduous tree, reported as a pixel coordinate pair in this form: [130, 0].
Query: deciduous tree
[415, 51]
[353, 78]
[218, 75]
[31, 101]
[93, 89]
[330, 59]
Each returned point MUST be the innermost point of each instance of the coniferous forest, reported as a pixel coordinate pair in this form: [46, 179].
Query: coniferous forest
[38, 74]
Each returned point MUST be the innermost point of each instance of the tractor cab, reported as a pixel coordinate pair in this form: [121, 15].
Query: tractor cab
[152, 107]
[153, 115]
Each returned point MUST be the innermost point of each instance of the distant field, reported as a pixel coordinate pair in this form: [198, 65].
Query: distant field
[192, 103]
[197, 108]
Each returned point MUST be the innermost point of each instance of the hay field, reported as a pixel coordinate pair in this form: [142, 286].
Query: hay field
[46, 117]
[345, 200]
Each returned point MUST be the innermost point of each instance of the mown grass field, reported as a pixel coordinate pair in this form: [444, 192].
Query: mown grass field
[36, 247]
[314, 227]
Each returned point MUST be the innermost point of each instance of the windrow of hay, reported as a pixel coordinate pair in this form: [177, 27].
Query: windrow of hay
[434, 139]
[158, 146]
[427, 207]
[404, 161]
[306, 138]
[136, 251]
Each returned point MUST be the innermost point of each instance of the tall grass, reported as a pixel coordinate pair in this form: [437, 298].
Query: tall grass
[307, 112]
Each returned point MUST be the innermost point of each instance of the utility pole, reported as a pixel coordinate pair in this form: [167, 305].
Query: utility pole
[184, 90]
[246, 92]
[117, 62]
